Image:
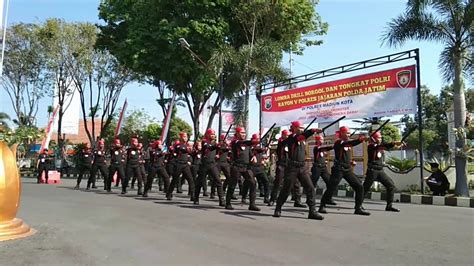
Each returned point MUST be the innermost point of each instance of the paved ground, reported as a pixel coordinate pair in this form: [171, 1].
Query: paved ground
[93, 228]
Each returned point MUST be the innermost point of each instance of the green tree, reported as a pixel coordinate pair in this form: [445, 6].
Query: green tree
[449, 22]
[57, 39]
[390, 133]
[179, 125]
[25, 78]
[4, 117]
[152, 132]
[136, 121]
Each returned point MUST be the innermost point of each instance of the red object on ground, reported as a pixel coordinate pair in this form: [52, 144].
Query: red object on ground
[54, 177]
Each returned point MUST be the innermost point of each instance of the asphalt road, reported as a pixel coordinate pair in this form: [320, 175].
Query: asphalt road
[96, 228]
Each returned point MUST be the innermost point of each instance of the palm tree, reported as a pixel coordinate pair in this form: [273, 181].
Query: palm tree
[451, 23]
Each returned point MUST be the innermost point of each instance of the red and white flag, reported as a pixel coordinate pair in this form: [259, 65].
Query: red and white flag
[119, 123]
[49, 130]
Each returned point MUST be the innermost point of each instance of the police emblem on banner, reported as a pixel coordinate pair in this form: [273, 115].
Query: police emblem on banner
[268, 102]
[403, 78]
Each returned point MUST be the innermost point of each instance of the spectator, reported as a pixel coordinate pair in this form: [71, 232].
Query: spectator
[437, 181]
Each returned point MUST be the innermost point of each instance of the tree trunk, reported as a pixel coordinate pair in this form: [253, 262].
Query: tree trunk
[215, 108]
[461, 187]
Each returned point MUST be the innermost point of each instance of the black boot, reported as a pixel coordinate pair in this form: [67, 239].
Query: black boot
[228, 206]
[140, 192]
[322, 209]
[390, 208]
[221, 202]
[313, 214]
[360, 211]
[277, 212]
[270, 203]
[160, 188]
[298, 204]
[196, 201]
[124, 191]
[212, 196]
[331, 202]
[253, 207]
[145, 194]
[76, 187]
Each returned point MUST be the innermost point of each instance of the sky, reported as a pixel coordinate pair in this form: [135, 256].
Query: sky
[355, 27]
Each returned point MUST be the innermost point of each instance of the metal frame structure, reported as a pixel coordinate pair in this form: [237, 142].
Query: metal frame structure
[374, 62]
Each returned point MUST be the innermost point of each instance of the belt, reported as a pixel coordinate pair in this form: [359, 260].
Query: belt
[375, 166]
[296, 163]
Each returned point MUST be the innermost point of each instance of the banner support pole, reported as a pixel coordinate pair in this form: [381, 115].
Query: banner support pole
[420, 119]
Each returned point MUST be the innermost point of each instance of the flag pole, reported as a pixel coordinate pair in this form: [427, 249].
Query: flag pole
[4, 37]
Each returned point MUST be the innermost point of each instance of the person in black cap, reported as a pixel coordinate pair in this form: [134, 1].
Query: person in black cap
[43, 166]
[437, 181]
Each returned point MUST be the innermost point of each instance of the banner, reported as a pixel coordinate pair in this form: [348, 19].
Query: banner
[71, 109]
[48, 132]
[385, 93]
[227, 120]
[119, 123]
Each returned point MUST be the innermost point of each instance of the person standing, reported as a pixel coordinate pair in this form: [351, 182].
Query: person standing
[85, 163]
[157, 167]
[133, 167]
[209, 166]
[342, 168]
[258, 169]
[117, 164]
[375, 151]
[241, 153]
[182, 165]
[43, 166]
[320, 168]
[281, 157]
[99, 164]
[296, 169]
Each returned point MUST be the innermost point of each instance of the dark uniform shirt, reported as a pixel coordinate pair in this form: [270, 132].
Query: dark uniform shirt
[319, 153]
[208, 152]
[99, 157]
[438, 178]
[43, 159]
[182, 152]
[86, 158]
[157, 157]
[241, 152]
[133, 156]
[117, 156]
[296, 144]
[343, 152]
[375, 154]
[223, 152]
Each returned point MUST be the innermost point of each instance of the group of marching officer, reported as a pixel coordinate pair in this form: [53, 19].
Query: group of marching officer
[242, 160]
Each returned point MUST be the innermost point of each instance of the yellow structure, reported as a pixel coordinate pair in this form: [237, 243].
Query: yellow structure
[10, 190]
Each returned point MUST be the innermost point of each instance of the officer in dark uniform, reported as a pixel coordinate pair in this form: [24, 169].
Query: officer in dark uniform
[99, 164]
[142, 161]
[43, 166]
[196, 157]
[342, 168]
[209, 166]
[133, 167]
[85, 163]
[241, 153]
[157, 167]
[258, 169]
[117, 164]
[182, 165]
[281, 154]
[170, 160]
[320, 168]
[375, 151]
[296, 169]
[223, 166]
